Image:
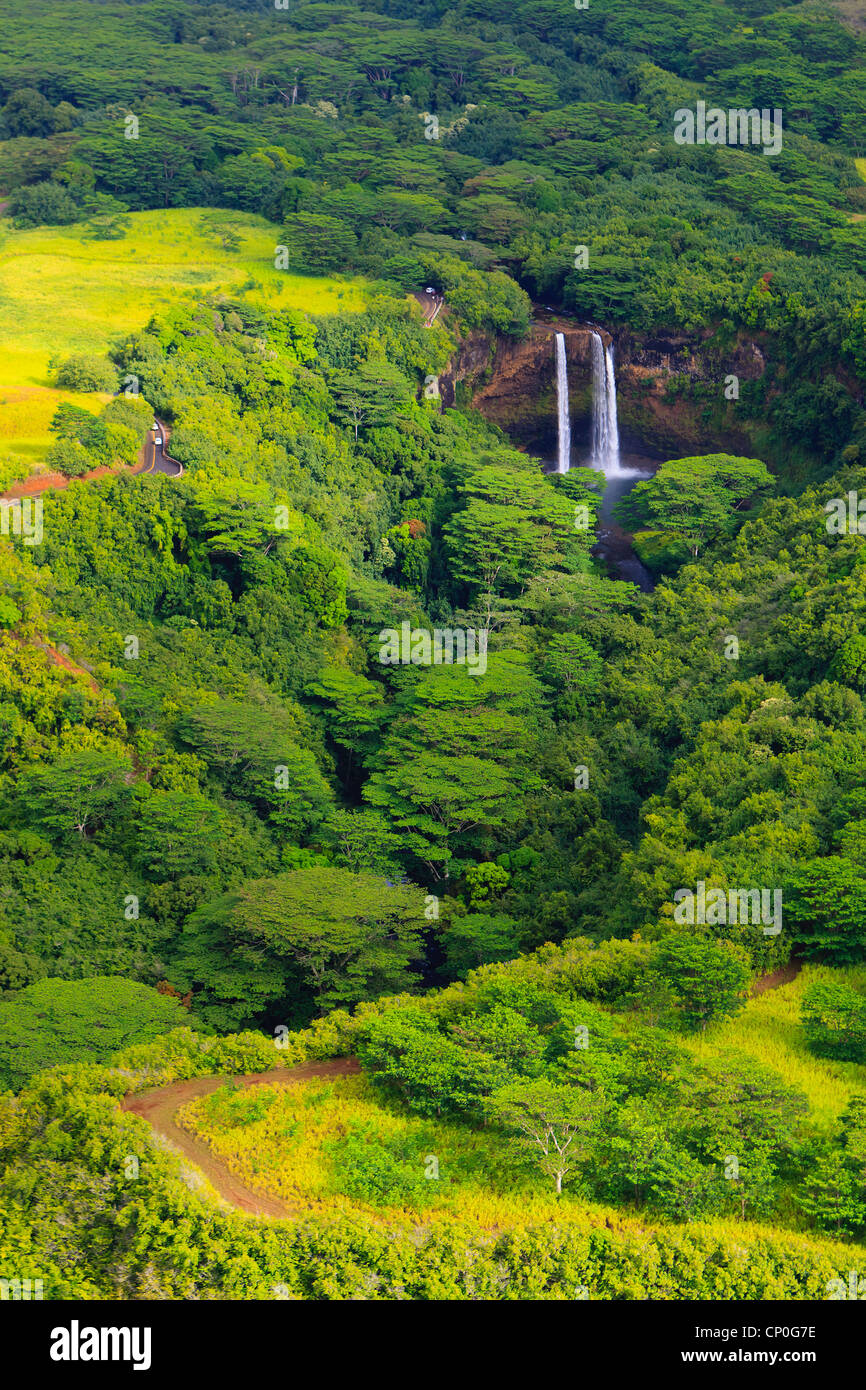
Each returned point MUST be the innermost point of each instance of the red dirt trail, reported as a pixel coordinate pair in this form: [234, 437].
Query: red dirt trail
[160, 1106]
[61, 659]
[783, 976]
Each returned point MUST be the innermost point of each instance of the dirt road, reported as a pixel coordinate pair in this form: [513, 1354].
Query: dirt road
[159, 1108]
[783, 976]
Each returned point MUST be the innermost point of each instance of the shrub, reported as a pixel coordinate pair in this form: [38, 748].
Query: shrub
[86, 371]
[69, 457]
[43, 204]
[834, 1019]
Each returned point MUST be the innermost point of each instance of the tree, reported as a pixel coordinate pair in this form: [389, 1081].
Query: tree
[317, 576]
[605, 292]
[79, 791]
[257, 751]
[132, 411]
[489, 300]
[28, 113]
[456, 761]
[178, 833]
[695, 499]
[477, 938]
[103, 442]
[238, 520]
[642, 1157]
[72, 422]
[829, 1188]
[320, 244]
[825, 903]
[744, 1111]
[371, 395]
[67, 1021]
[221, 227]
[296, 792]
[707, 979]
[44, 204]
[244, 741]
[849, 663]
[107, 225]
[573, 668]
[69, 457]
[556, 1120]
[86, 371]
[409, 1058]
[512, 525]
[353, 707]
[363, 840]
[506, 1035]
[341, 938]
[481, 882]
[834, 1020]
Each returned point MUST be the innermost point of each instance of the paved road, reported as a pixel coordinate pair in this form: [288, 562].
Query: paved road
[160, 1106]
[156, 460]
[152, 459]
[431, 304]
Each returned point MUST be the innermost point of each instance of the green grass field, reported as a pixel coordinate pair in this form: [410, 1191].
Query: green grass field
[279, 1139]
[769, 1030]
[291, 1141]
[61, 293]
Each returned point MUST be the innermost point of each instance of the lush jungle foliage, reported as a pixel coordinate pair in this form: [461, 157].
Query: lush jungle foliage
[221, 808]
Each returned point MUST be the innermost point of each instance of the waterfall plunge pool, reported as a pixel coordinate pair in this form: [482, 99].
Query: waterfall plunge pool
[613, 546]
[621, 471]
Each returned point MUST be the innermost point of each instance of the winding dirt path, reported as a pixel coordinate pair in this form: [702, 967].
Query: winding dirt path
[160, 1106]
[783, 976]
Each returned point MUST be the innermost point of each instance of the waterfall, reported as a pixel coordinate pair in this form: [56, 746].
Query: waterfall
[605, 431]
[563, 462]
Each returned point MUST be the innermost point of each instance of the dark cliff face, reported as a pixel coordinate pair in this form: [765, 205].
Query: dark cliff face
[513, 382]
[670, 388]
[671, 393]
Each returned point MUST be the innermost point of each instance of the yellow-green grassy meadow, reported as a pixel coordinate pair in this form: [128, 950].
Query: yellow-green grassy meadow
[61, 293]
[279, 1139]
[276, 1139]
[769, 1030]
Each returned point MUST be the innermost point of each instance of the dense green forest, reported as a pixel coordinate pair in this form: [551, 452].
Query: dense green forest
[533, 898]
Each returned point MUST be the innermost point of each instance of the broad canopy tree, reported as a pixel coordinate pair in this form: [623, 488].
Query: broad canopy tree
[695, 499]
[310, 940]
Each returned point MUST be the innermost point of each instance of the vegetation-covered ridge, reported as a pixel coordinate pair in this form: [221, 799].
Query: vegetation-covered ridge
[249, 815]
[138, 1224]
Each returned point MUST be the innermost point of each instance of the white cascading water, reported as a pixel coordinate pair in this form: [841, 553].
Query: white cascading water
[605, 430]
[563, 462]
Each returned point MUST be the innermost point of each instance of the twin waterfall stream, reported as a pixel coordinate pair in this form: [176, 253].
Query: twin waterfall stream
[563, 462]
[605, 429]
[614, 544]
